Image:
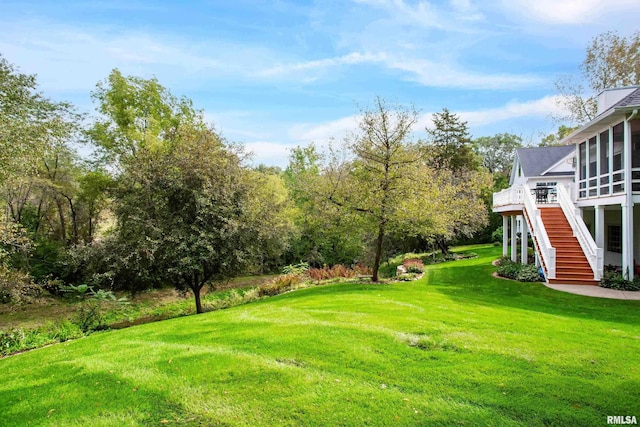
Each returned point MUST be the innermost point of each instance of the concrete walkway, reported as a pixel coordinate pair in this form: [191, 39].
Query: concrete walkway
[596, 291]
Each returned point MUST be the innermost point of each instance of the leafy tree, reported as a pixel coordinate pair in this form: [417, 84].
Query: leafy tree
[380, 176]
[497, 152]
[325, 234]
[451, 153]
[193, 214]
[555, 138]
[30, 124]
[188, 212]
[135, 114]
[449, 143]
[611, 61]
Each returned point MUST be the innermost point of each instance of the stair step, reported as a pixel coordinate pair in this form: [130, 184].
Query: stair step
[573, 282]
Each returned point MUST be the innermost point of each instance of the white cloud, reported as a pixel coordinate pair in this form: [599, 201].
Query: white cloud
[69, 58]
[572, 12]
[321, 64]
[440, 74]
[269, 153]
[542, 107]
[323, 132]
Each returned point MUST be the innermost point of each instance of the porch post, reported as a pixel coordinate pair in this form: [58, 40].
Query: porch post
[599, 226]
[627, 240]
[505, 235]
[524, 242]
[514, 240]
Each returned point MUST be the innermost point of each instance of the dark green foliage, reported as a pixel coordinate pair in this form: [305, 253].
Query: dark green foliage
[615, 280]
[497, 235]
[15, 340]
[450, 144]
[515, 271]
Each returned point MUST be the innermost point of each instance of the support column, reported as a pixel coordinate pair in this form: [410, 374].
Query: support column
[514, 240]
[599, 224]
[524, 255]
[627, 241]
[505, 235]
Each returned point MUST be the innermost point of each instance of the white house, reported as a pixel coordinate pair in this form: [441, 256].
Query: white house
[579, 199]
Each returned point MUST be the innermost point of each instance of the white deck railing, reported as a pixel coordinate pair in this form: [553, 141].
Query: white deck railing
[509, 196]
[591, 251]
[545, 250]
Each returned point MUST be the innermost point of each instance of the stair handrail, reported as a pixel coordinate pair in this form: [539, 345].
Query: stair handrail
[546, 251]
[580, 231]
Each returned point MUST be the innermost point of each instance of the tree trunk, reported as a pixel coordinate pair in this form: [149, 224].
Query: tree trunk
[376, 264]
[444, 247]
[63, 223]
[196, 294]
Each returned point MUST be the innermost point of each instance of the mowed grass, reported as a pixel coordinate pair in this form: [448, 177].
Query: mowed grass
[458, 347]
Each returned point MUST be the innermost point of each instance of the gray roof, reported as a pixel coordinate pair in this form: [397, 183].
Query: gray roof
[536, 160]
[631, 100]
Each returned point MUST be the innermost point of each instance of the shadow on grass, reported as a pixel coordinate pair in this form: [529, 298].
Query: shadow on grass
[64, 394]
[472, 282]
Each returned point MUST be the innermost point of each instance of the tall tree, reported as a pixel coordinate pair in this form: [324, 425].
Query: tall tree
[188, 212]
[497, 152]
[326, 234]
[30, 124]
[611, 61]
[137, 113]
[378, 177]
[449, 143]
[452, 155]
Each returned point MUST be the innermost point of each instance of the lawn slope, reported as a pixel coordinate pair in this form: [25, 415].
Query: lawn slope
[458, 347]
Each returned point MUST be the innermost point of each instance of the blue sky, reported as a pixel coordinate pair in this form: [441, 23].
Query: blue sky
[277, 74]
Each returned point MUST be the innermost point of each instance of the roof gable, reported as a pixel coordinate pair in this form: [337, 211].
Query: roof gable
[536, 161]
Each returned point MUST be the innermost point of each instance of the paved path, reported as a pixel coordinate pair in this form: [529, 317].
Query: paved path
[596, 291]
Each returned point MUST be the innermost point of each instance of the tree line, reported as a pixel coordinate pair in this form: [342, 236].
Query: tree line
[166, 200]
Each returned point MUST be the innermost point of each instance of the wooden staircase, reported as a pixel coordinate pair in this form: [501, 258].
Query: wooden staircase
[572, 267]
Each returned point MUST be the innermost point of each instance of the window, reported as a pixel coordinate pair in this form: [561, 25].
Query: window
[618, 142]
[593, 158]
[635, 143]
[604, 152]
[614, 243]
[582, 156]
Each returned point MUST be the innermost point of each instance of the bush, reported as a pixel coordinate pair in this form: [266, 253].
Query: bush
[497, 235]
[338, 271]
[528, 273]
[509, 270]
[515, 271]
[615, 280]
[15, 340]
[300, 268]
[281, 284]
[413, 265]
[16, 287]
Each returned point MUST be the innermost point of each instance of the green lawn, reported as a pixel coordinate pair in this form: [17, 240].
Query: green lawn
[458, 347]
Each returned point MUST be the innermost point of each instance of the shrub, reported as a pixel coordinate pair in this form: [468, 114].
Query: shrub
[528, 273]
[413, 265]
[338, 271]
[15, 340]
[16, 287]
[280, 284]
[509, 270]
[515, 271]
[299, 268]
[615, 280]
[497, 235]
